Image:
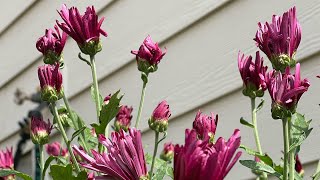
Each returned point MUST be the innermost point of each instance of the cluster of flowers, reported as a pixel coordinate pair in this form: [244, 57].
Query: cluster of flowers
[279, 40]
[121, 156]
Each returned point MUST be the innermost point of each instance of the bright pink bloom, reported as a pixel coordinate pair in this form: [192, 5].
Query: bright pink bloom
[40, 130]
[202, 160]
[52, 44]
[149, 51]
[167, 152]
[205, 125]
[55, 149]
[50, 79]
[50, 76]
[6, 159]
[123, 118]
[285, 91]
[124, 159]
[82, 28]
[161, 112]
[252, 74]
[6, 162]
[160, 117]
[280, 39]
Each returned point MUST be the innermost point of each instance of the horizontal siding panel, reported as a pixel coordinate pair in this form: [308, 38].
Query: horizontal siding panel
[128, 23]
[11, 10]
[18, 43]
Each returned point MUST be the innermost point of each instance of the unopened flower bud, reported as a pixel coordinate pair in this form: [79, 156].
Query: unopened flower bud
[148, 56]
[51, 45]
[64, 116]
[50, 79]
[167, 152]
[205, 126]
[40, 131]
[123, 118]
[55, 149]
[160, 116]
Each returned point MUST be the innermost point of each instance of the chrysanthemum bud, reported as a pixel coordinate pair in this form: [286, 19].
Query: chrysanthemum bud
[40, 131]
[50, 79]
[167, 152]
[160, 116]
[64, 116]
[205, 126]
[106, 99]
[252, 74]
[123, 118]
[148, 56]
[6, 162]
[55, 149]
[51, 45]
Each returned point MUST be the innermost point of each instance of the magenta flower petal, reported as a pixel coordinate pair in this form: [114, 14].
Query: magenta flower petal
[123, 160]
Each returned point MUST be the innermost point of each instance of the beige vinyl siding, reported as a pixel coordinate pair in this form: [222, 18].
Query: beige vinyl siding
[198, 72]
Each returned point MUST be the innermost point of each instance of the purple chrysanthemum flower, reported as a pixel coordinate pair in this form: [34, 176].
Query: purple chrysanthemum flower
[51, 45]
[84, 29]
[124, 159]
[280, 39]
[285, 91]
[252, 74]
[201, 160]
[205, 125]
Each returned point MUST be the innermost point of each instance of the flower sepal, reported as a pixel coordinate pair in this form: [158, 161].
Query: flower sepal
[49, 94]
[146, 67]
[280, 112]
[158, 125]
[251, 91]
[52, 57]
[282, 61]
[91, 48]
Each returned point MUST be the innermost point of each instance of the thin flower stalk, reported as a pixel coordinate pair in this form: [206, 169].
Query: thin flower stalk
[256, 132]
[66, 102]
[64, 136]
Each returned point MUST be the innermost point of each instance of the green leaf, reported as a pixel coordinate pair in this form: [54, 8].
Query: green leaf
[260, 105]
[316, 176]
[65, 172]
[162, 167]
[89, 139]
[76, 133]
[249, 150]
[46, 165]
[107, 113]
[7, 172]
[300, 130]
[93, 96]
[259, 167]
[266, 159]
[246, 123]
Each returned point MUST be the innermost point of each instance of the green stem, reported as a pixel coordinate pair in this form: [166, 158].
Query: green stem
[154, 153]
[285, 147]
[41, 161]
[291, 153]
[256, 133]
[95, 86]
[143, 92]
[64, 136]
[74, 122]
